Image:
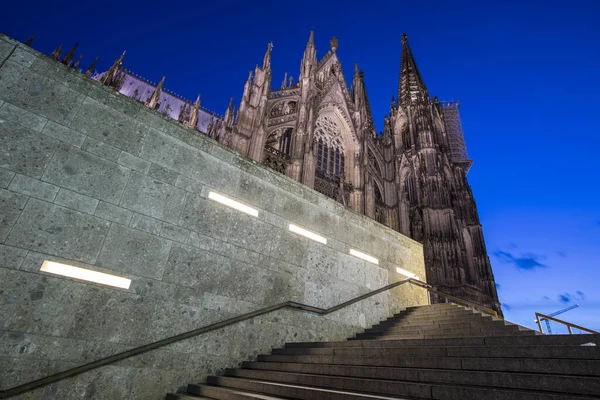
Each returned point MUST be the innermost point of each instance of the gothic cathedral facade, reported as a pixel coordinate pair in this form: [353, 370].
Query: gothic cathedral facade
[320, 132]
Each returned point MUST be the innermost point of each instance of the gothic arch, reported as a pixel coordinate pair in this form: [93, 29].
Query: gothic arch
[378, 185]
[280, 139]
[283, 107]
[377, 163]
[344, 134]
[378, 194]
[330, 148]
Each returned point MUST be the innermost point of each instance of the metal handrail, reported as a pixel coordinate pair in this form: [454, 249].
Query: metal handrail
[560, 321]
[35, 384]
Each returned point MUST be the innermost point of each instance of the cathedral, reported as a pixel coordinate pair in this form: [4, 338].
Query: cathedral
[319, 131]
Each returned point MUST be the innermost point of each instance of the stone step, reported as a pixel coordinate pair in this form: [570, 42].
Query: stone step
[184, 396]
[514, 380]
[223, 393]
[385, 387]
[293, 391]
[570, 352]
[398, 336]
[432, 308]
[502, 364]
[456, 329]
[442, 324]
[439, 313]
[539, 340]
[436, 320]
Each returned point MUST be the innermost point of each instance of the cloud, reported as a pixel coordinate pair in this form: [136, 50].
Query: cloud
[564, 298]
[561, 253]
[567, 298]
[546, 298]
[526, 262]
[506, 307]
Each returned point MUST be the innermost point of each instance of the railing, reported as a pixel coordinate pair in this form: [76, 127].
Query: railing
[38, 383]
[539, 317]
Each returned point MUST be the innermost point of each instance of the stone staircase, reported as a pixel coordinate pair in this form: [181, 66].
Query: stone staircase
[441, 351]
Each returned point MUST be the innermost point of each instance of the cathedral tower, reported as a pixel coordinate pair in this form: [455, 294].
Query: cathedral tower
[436, 203]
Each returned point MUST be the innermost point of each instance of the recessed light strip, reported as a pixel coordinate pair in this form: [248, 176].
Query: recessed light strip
[407, 273]
[308, 234]
[364, 256]
[85, 274]
[232, 203]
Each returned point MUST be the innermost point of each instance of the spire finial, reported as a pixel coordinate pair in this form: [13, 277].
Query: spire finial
[283, 84]
[267, 59]
[404, 38]
[29, 41]
[311, 38]
[356, 69]
[69, 56]
[109, 76]
[76, 63]
[56, 53]
[333, 43]
[153, 100]
[91, 68]
[194, 116]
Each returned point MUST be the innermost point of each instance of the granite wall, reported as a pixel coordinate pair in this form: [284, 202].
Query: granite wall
[93, 179]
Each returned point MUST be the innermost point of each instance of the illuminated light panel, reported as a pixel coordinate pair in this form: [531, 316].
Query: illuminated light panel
[85, 274]
[308, 234]
[407, 273]
[364, 256]
[232, 203]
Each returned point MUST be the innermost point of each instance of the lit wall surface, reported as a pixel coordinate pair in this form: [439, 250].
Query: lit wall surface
[93, 180]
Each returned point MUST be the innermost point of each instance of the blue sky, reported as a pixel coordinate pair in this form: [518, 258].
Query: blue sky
[525, 71]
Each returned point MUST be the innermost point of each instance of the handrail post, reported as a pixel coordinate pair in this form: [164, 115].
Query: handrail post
[570, 331]
[539, 322]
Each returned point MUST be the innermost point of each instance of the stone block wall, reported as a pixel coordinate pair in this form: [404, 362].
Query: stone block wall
[93, 179]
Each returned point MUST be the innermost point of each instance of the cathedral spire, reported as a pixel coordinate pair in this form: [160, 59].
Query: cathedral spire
[56, 53]
[311, 39]
[247, 86]
[267, 59]
[194, 117]
[153, 100]
[69, 56]
[411, 86]
[309, 60]
[76, 63]
[229, 114]
[108, 78]
[91, 68]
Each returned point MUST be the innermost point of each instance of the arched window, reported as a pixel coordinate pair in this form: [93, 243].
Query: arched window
[285, 142]
[379, 205]
[330, 151]
[410, 193]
